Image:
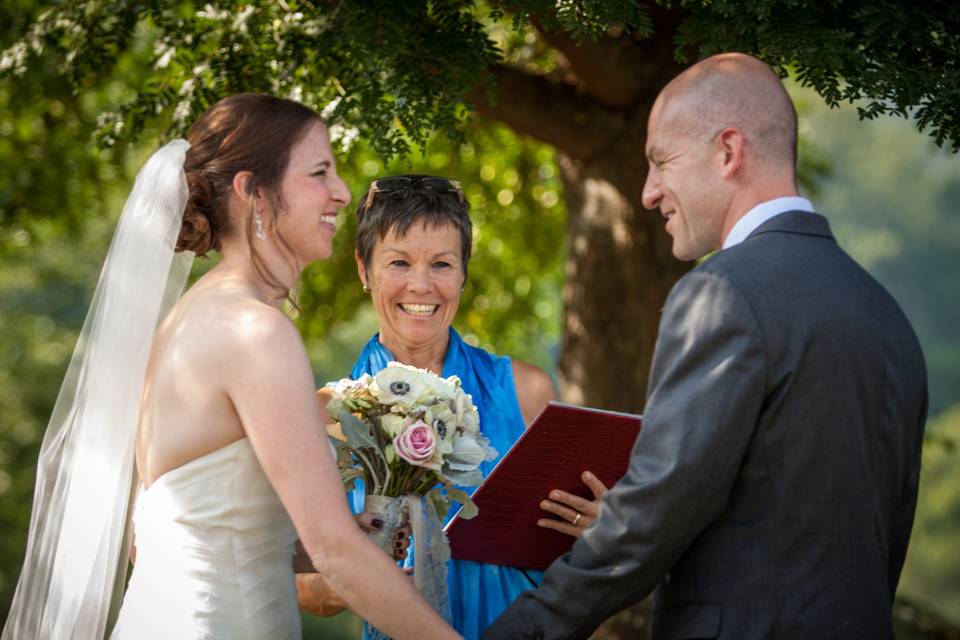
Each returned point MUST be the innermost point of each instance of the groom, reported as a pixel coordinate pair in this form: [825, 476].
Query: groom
[772, 489]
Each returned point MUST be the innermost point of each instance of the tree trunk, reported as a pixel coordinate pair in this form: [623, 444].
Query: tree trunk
[618, 272]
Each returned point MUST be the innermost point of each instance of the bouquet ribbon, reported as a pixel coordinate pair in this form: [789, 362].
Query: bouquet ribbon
[431, 551]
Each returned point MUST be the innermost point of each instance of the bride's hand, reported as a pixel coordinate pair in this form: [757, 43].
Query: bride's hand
[575, 513]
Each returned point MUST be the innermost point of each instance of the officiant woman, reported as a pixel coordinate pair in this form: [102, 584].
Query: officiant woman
[413, 246]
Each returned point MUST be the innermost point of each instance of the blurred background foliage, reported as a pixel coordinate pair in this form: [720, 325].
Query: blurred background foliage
[890, 194]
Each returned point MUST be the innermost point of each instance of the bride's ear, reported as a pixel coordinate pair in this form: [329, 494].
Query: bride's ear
[241, 186]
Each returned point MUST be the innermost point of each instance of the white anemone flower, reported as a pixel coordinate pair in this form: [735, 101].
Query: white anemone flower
[443, 421]
[467, 417]
[400, 384]
[445, 389]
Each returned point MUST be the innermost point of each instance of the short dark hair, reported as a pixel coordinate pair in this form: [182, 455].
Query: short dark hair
[398, 210]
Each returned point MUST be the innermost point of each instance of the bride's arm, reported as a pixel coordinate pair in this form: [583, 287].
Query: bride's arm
[272, 391]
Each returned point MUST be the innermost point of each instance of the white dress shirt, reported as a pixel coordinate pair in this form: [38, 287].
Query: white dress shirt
[761, 213]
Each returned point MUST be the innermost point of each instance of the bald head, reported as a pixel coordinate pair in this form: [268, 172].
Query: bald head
[733, 90]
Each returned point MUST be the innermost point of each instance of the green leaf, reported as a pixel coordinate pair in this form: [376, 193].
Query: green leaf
[470, 509]
[359, 433]
[344, 453]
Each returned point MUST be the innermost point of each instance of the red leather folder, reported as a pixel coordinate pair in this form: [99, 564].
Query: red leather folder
[563, 442]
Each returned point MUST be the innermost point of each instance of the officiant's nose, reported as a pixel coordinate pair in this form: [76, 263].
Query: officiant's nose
[420, 280]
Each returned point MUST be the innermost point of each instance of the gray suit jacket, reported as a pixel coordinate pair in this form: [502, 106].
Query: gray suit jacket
[772, 488]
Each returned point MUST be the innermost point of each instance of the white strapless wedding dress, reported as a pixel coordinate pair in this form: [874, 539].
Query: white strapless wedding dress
[214, 555]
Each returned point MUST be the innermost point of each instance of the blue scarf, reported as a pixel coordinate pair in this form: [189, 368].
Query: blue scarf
[478, 592]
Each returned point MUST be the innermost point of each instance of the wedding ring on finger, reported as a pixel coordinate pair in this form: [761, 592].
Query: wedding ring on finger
[576, 521]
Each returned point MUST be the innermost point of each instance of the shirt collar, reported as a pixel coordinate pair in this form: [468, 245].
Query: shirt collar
[761, 213]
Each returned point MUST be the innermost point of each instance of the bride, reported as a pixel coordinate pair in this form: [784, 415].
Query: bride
[216, 408]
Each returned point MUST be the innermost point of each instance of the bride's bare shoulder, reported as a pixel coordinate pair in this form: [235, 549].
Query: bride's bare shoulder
[228, 322]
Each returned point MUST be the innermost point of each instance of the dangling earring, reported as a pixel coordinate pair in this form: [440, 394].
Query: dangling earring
[366, 289]
[257, 220]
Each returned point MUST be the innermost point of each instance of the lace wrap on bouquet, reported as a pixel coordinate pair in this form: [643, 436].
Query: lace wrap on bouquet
[431, 551]
[75, 565]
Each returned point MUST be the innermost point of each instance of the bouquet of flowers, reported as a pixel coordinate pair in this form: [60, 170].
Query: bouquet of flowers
[409, 431]
[411, 436]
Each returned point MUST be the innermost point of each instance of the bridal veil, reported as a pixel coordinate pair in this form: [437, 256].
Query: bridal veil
[75, 564]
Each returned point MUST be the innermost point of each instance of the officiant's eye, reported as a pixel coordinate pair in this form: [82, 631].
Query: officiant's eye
[399, 263]
[442, 265]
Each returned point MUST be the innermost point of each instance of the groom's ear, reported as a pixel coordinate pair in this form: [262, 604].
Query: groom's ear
[730, 143]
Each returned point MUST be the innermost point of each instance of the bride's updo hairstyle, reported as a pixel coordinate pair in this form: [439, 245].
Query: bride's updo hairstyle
[245, 132]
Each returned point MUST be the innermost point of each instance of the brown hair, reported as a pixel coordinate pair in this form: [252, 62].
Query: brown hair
[244, 132]
[398, 210]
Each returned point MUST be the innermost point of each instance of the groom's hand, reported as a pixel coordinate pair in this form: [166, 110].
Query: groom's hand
[575, 513]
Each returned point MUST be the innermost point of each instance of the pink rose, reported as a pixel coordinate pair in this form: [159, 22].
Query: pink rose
[416, 444]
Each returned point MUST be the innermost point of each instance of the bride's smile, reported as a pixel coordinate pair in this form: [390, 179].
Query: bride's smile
[311, 193]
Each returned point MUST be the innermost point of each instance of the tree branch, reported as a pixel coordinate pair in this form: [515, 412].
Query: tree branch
[609, 69]
[550, 111]
[620, 70]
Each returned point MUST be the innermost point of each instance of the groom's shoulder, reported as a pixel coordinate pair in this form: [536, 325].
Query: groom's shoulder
[731, 275]
[754, 263]
[725, 266]
[708, 285]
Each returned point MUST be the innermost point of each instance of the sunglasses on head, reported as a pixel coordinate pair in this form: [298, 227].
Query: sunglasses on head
[413, 183]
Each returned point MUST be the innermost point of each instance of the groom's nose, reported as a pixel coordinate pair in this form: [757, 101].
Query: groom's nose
[652, 193]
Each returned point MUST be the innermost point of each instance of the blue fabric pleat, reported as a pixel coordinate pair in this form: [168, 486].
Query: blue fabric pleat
[479, 592]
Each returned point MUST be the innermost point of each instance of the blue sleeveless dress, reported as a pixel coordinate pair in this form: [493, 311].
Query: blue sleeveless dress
[478, 592]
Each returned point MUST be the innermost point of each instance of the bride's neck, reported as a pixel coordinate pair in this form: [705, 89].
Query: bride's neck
[237, 263]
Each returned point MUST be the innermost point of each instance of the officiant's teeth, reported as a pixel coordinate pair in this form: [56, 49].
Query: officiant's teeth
[329, 218]
[419, 309]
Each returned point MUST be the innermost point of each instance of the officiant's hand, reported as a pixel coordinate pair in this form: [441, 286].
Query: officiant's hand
[401, 539]
[575, 513]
